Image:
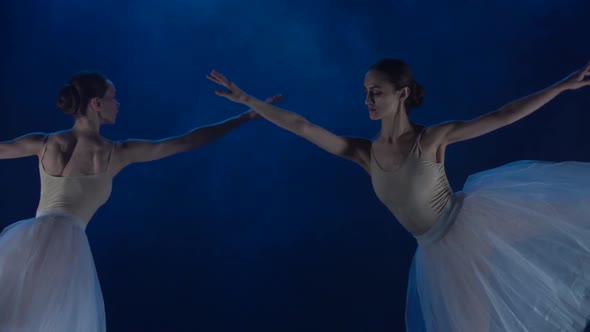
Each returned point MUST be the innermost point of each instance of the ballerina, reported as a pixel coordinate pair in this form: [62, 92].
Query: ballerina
[48, 280]
[511, 252]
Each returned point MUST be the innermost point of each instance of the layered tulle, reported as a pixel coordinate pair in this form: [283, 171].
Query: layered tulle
[510, 253]
[48, 281]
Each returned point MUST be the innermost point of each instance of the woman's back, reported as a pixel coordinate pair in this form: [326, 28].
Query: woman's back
[75, 174]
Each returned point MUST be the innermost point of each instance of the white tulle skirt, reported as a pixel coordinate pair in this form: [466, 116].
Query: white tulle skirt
[510, 253]
[48, 280]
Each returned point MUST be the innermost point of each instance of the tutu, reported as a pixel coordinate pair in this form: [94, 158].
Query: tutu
[48, 278]
[511, 252]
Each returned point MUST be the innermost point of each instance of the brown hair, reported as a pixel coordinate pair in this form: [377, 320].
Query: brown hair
[74, 97]
[401, 76]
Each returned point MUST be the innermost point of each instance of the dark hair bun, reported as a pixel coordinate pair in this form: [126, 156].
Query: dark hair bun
[416, 95]
[68, 100]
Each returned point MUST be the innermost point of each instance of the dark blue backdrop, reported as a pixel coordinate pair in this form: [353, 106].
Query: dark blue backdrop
[262, 231]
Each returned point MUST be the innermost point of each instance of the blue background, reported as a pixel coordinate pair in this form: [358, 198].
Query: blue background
[262, 231]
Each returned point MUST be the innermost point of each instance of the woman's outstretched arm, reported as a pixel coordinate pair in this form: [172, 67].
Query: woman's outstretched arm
[457, 131]
[351, 148]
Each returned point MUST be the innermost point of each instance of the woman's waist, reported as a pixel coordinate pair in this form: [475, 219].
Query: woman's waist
[429, 230]
[61, 215]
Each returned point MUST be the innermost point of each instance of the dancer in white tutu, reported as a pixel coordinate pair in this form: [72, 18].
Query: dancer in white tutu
[48, 281]
[511, 252]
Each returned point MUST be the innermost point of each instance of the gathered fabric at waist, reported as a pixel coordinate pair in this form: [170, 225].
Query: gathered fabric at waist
[61, 215]
[444, 222]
